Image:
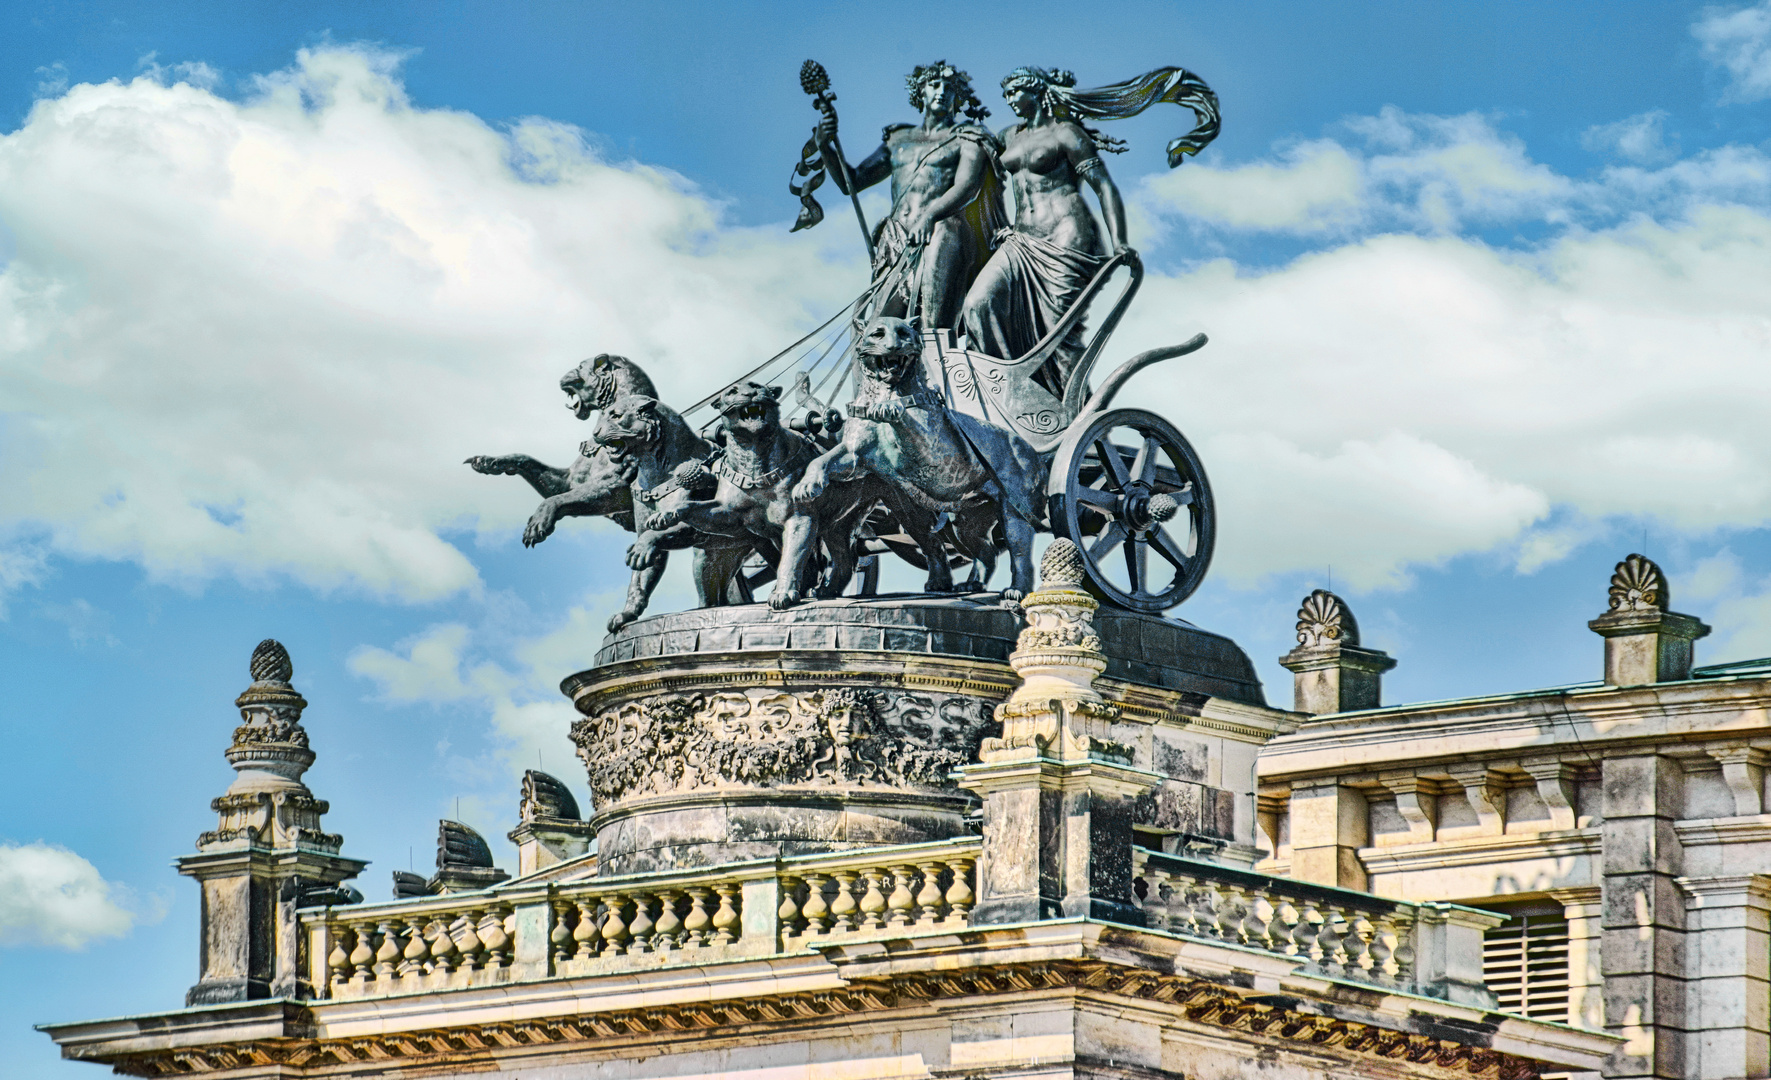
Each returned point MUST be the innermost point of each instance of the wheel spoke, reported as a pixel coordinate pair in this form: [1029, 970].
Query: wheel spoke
[1112, 464]
[1144, 468]
[1168, 549]
[1137, 564]
[1110, 538]
[1106, 500]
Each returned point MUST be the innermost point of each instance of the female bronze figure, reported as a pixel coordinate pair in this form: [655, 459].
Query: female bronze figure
[1045, 260]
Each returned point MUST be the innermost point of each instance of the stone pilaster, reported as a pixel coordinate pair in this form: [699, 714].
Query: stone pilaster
[1645, 642]
[1584, 910]
[1728, 996]
[1643, 941]
[267, 855]
[1330, 672]
[1330, 822]
[1058, 791]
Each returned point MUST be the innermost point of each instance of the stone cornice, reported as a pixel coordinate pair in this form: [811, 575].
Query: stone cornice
[1480, 851]
[1729, 830]
[1575, 721]
[1275, 1022]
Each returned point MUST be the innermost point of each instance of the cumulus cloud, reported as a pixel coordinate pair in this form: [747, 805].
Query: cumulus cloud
[257, 338]
[1738, 40]
[51, 896]
[1446, 175]
[1404, 399]
[1641, 138]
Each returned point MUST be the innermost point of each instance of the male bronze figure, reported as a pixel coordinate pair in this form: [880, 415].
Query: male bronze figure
[946, 198]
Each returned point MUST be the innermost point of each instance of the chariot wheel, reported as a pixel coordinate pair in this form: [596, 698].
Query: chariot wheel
[1127, 488]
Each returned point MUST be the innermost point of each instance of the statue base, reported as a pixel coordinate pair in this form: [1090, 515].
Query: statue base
[725, 734]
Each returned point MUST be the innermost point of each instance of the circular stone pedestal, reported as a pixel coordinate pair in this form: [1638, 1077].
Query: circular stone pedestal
[734, 733]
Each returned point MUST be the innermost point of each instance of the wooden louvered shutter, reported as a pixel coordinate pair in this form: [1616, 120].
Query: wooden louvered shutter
[1525, 963]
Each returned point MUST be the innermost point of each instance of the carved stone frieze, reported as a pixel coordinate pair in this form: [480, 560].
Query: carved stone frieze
[766, 737]
[1272, 1023]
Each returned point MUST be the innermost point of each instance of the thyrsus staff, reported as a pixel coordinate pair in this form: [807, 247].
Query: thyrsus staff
[819, 155]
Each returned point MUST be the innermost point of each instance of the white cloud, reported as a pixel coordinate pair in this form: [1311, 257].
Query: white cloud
[1397, 170]
[1405, 399]
[1641, 138]
[258, 338]
[1443, 175]
[1738, 40]
[51, 896]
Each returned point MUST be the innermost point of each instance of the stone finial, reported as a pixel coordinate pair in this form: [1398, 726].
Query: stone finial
[464, 860]
[1331, 673]
[1324, 619]
[1061, 568]
[1637, 585]
[267, 856]
[1056, 711]
[270, 662]
[1645, 642]
[1059, 792]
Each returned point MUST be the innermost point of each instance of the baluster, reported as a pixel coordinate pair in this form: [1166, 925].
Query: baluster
[496, 939]
[873, 901]
[1328, 941]
[416, 951]
[816, 912]
[1204, 908]
[640, 928]
[584, 935]
[1382, 955]
[443, 955]
[1285, 919]
[560, 937]
[614, 929]
[1228, 922]
[699, 920]
[467, 939]
[844, 908]
[1155, 901]
[902, 900]
[787, 915]
[1257, 922]
[338, 961]
[1304, 934]
[1404, 951]
[725, 920]
[1356, 943]
[959, 894]
[364, 954]
[388, 955]
[930, 896]
[667, 934]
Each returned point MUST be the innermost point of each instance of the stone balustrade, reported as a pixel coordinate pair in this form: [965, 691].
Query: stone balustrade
[917, 887]
[598, 925]
[1432, 949]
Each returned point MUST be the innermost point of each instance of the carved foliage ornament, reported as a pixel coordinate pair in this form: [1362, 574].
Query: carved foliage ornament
[1325, 620]
[682, 742]
[1637, 585]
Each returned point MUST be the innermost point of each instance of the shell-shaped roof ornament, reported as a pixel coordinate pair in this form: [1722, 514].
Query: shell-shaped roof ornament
[1062, 565]
[270, 662]
[544, 796]
[1638, 585]
[1324, 619]
[460, 847]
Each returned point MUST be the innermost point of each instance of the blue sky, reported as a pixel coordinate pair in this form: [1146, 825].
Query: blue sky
[1487, 287]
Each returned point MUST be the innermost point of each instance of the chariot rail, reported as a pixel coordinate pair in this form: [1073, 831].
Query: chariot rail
[519, 933]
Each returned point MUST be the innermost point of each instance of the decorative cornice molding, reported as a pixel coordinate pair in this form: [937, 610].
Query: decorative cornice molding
[1272, 1020]
[1480, 850]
